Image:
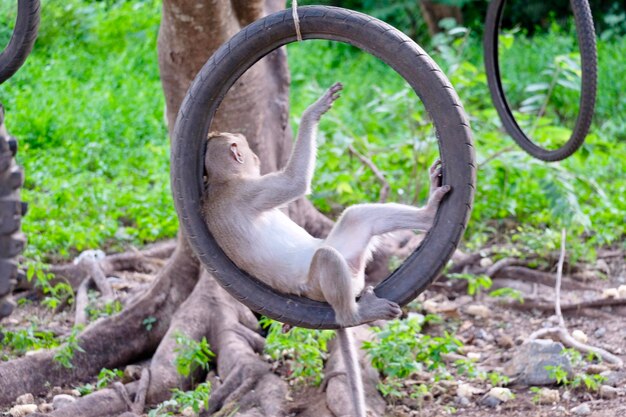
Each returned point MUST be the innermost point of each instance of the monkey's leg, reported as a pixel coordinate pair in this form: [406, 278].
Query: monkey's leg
[331, 275]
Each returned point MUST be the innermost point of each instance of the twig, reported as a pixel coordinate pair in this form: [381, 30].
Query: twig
[559, 278]
[384, 191]
[561, 331]
[142, 390]
[95, 271]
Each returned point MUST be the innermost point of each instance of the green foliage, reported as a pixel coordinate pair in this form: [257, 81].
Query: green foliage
[64, 354]
[506, 292]
[303, 350]
[400, 350]
[148, 322]
[24, 340]
[107, 376]
[475, 283]
[94, 311]
[184, 399]
[191, 354]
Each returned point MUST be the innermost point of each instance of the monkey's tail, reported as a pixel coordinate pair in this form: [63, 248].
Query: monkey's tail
[355, 381]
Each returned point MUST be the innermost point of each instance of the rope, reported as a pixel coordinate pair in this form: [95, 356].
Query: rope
[296, 19]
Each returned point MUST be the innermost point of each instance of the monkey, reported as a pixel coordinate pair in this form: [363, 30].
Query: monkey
[242, 212]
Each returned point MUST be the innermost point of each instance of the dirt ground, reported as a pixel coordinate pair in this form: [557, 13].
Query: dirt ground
[491, 340]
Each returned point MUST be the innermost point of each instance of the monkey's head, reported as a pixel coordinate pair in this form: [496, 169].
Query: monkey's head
[229, 155]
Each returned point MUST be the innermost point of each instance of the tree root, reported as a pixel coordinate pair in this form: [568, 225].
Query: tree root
[537, 305]
[107, 343]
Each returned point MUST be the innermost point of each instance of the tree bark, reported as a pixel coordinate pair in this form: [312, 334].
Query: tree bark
[433, 12]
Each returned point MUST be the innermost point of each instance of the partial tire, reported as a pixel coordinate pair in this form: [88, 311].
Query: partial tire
[379, 39]
[12, 241]
[22, 40]
[588, 56]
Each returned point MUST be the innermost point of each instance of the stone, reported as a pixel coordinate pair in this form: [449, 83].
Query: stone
[496, 396]
[621, 291]
[22, 410]
[595, 368]
[600, 332]
[504, 341]
[46, 408]
[467, 390]
[614, 378]
[462, 402]
[548, 396]
[62, 400]
[529, 362]
[610, 293]
[132, 373]
[607, 391]
[485, 262]
[478, 311]
[580, 336]
[25, 399]
[581, 410]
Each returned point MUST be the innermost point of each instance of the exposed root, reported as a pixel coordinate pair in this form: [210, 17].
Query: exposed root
[249, 385]
[599, 303]
[81, 301]
[110, 342]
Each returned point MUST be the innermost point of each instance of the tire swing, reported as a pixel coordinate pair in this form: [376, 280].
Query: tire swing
[588, 56]
[12, 241]
[22, 39]
[393, 47]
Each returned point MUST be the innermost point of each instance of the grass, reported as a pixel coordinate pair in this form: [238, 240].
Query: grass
[87, 108]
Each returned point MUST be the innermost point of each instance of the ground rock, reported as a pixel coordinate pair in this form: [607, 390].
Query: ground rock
[548, 396]
[530, 360]
[580, 336]
[22, 410]
[496, 396]
[62, 400]
[25, 399]
[46, 408]
[600, 332]
[614, 378]
[607, 391]
[581, 410]
[467, 390]
[478, 311]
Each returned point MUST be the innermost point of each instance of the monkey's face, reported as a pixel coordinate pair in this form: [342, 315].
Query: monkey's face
[229, 155]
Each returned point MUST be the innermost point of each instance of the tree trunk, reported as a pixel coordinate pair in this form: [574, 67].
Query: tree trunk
[433, 12]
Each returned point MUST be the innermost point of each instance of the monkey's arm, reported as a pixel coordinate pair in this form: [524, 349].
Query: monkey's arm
[294, 181]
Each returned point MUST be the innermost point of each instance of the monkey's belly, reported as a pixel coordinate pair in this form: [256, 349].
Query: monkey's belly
[279, 252]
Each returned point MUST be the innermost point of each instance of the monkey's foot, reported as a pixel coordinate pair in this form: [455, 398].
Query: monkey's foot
[373, 308]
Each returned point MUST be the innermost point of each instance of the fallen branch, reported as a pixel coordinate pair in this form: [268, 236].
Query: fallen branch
[561, 332]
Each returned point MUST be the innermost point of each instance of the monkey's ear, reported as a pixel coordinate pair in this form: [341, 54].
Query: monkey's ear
[234, 150]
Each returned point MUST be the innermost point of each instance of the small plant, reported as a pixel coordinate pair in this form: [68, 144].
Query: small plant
[506, 292]
[496, 379]
[191, 354]
[304, 350]
[182, 400]
[558, 373]
[24, 340]
[400, 350]
[148, 322]
[475, 283]
[536, 398]
[95, 312]
[65, 353]
[107, 376]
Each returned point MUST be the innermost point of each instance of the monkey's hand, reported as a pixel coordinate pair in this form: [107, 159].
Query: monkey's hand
[437, 191]
[324, 103]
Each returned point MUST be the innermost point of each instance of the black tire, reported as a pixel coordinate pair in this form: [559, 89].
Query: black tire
[588, 56]
[379, 39]
[22, 40]
[12, 241]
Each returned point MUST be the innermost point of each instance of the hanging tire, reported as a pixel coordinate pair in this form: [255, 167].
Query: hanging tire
[588, 55]
[236, 56]
[12, 241]
[22, 40]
